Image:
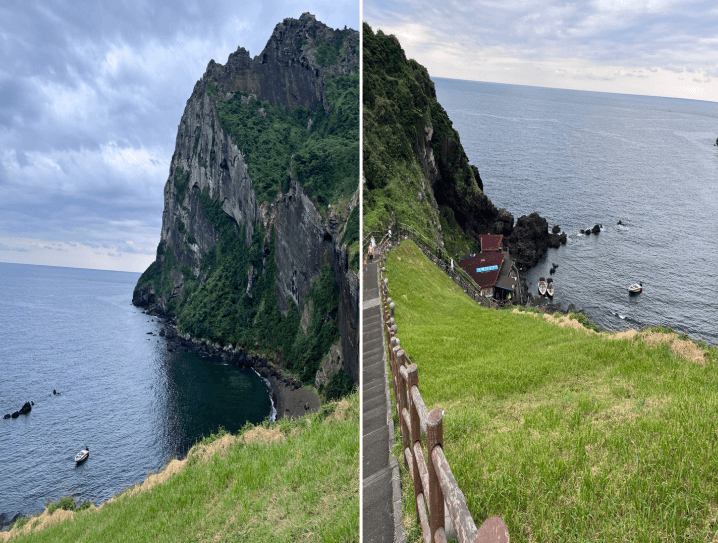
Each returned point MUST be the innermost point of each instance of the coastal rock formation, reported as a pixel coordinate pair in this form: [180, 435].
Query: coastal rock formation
[416, 170]
[530, 239]
[260, 200]
[411, 148]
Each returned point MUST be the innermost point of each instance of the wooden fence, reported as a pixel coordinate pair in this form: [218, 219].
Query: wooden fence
[434, 484]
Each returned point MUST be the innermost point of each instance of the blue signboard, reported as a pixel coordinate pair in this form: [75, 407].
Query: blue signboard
[487, 268]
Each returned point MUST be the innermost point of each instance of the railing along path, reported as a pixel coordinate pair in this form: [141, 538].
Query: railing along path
[434, 483]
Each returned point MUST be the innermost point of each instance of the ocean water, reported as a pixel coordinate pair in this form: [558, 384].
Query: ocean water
[121, 392]
[584, 158]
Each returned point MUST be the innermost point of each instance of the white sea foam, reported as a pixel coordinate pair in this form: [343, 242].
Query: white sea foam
[273, 410]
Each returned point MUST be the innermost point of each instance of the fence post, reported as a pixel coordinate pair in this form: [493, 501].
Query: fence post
[413, 372]
[392, 306]
[393, 362]
[434, 437]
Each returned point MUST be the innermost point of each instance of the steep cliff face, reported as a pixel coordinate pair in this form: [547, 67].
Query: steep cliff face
[262, 183]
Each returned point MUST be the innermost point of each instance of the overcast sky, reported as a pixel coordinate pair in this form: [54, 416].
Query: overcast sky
[91, 94]
[649, 47]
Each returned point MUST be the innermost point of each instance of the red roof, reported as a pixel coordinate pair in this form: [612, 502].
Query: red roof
[491, 242]
[484, 279]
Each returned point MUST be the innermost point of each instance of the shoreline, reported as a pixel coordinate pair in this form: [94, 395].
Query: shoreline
[289, 397]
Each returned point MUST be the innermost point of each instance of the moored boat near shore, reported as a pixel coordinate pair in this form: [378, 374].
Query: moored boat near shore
[549, 288]
[542, 286]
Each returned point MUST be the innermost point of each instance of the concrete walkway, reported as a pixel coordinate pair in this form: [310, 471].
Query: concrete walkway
[378, 496]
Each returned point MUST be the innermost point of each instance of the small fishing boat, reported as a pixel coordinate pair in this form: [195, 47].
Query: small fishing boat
[82, 455]
[542, 286]
[549, 288]
[635, 288]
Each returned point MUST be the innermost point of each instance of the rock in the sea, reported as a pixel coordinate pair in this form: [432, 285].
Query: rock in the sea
[16, 414]
[619, 222]
[530, 239]
[556, 229]
[596, 229]
[7, 416]
[587, 231]
[26, 408]
[162, 333]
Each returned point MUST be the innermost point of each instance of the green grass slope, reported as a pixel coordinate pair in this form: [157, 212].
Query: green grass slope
[566, 434]
[292, 481]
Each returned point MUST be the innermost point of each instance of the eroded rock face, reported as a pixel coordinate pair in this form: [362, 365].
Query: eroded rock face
[287, 71]
[530, 239]
[207, 160]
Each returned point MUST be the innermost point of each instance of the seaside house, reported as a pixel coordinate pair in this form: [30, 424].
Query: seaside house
[492, 269]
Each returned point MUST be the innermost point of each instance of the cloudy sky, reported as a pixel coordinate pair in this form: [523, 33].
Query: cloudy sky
[649, 47]
[91, 94]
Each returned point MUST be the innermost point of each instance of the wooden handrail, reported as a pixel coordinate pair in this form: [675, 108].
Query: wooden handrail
[434, 482]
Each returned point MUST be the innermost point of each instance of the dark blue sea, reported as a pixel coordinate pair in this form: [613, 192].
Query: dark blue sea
[584, 158]
[121, 392]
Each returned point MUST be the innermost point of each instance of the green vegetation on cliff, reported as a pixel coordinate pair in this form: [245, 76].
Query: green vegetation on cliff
[321, 149]
[216, 305]
[291, 481]
[566, 434]
[414, 163]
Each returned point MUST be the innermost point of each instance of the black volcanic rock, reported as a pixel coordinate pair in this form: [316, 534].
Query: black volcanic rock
[556, 229]
[596, 229]
[530, 239]
[25, 409]
[7, 416]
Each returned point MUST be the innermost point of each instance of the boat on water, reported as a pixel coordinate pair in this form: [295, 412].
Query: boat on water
[549, 288]
[82, 455]
[542, 286]
[635, 288]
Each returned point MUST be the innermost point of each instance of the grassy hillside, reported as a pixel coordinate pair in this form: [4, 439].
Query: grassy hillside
[292, 481]
[566, 434]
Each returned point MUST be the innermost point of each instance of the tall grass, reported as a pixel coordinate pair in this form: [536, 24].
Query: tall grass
[566, 435]
[293, 481]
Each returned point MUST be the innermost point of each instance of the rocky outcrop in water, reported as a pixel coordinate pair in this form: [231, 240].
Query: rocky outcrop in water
[530, 240]
[207, 283]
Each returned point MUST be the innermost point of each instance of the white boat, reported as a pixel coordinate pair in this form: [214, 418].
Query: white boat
[549, 288]
[82, 455]
[542, 286]
[635, 288]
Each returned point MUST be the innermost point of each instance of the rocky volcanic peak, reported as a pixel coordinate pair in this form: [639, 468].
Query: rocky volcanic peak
[207, 161]
[287, 71]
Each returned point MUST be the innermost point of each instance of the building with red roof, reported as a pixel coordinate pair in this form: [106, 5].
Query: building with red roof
[484, 269]
[491, 242]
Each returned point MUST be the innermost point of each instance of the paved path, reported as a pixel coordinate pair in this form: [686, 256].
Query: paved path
[377, 506]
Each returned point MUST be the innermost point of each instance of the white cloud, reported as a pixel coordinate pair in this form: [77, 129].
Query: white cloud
[71, 255]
